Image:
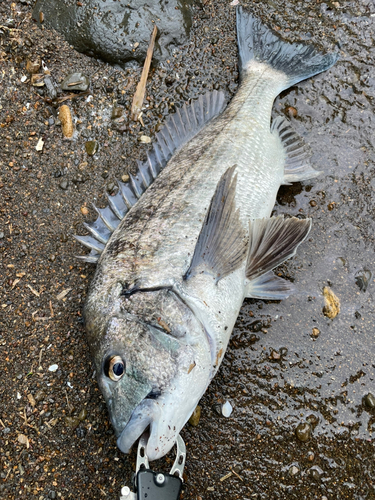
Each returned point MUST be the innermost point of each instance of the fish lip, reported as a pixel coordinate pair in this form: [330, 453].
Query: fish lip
[137, 424]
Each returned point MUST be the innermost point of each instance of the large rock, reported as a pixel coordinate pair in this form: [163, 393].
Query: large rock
[118, 31]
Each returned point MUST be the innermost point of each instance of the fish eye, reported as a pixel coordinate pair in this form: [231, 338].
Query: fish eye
[114, 368]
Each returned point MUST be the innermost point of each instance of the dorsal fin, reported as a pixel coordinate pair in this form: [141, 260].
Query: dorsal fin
[179, 128]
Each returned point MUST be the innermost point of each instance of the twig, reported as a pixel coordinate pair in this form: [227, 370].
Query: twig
[141, 87]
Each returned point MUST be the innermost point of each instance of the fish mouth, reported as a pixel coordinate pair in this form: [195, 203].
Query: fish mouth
[144, 415]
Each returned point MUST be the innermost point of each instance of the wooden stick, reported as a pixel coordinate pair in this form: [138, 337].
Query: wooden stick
[141, 87]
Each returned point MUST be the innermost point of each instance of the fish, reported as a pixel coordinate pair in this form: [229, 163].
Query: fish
[190, 236]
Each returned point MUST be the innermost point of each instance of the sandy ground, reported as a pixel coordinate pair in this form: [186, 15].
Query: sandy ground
[279, 373]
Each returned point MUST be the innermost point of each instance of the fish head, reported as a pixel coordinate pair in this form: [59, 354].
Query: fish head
[153, 364]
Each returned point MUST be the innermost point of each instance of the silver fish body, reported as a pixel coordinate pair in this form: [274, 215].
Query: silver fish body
[172, 277]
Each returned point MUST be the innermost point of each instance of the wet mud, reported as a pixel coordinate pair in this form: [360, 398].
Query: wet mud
[300, 380]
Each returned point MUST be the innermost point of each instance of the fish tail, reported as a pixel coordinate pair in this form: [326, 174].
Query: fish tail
[259, 44]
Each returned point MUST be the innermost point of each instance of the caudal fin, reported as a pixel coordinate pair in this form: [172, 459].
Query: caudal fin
[259, 43]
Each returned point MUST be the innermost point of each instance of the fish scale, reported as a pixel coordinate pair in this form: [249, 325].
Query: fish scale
[190, 236]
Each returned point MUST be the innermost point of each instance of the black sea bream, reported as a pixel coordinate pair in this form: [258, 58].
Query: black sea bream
[190, 236]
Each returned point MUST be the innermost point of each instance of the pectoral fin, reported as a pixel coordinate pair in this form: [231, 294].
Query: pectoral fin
[271, 242]
[221, 246]
[269, 287]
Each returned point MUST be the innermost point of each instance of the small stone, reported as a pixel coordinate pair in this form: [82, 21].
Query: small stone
[91, 147]
[275, 356]
[117, 112]
[310, 456]
[111, 186]
[194, 419]
[315, 333]
[363, 279]
[1, 235]
[369, 400]
[75, 81]
[53, 368]
[82, 414]
[331, 303]
[313, 203]
[313, 420]
[331, 206]
[52, 258]
[315, 472]
[291, 112]
[40, 144]
[125, 178]
[64, 185]
[227, 409]
[72, 422]
[303, 431]
[39, 396]
[23, 439]
[145, 139]
[293, 471]
[84, 210]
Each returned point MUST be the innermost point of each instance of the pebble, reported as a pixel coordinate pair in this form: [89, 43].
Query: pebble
[82, 414]
[72, 422]
[53, 368]
[1, 235]
[111, 186]
[315, 333]
[227, 409]
[275, 356]
[369, 400]
[315, 472]
[40, 144]
[84, 210]
[363, 279]
[117, 112]
[310, 456]
[39, 395]
[303, 431]
[91, 147]
[194, 419]
[291, 111]
[64, 185]
[293, 471]
[145, 139]
[81, 81]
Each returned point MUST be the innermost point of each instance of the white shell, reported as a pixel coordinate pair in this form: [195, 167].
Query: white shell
[53, 368]
[227, 409]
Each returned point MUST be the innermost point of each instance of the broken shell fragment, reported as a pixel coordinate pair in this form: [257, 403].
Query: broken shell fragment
[331, 303]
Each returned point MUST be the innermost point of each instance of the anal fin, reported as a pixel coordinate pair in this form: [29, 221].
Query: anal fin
[272, 241]
[298, 153]
[269, 287]
[221, 246]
